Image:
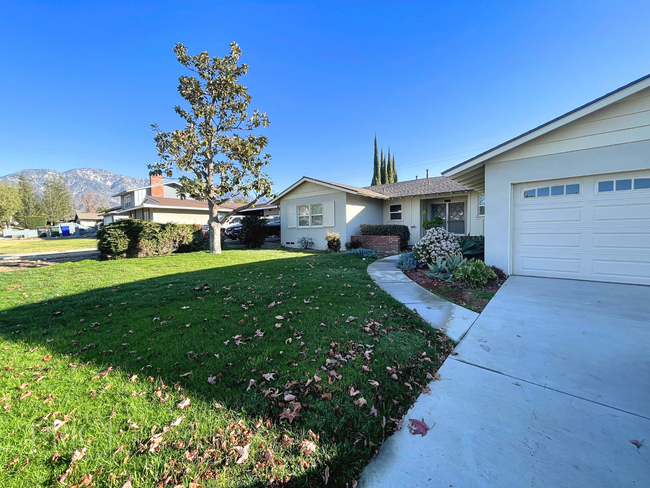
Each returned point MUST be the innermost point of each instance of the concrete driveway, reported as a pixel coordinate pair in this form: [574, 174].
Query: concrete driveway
[548, 388]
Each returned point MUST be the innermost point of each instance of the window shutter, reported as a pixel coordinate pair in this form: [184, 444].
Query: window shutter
[291, 216]
[328, 214]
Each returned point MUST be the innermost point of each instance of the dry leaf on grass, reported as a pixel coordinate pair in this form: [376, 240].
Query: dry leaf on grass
[183, 404]
[360, 402]
[78, 455]
[307, 447]
[638, 444]
[242, 453]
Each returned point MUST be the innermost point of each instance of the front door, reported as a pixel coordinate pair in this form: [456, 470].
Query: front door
[452, 214]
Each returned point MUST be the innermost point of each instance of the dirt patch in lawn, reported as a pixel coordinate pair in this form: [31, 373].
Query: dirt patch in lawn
[459, 293]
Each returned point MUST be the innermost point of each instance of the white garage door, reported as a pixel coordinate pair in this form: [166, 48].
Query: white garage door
[594, 228]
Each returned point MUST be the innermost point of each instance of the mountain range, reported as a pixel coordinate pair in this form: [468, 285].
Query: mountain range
[102, 183]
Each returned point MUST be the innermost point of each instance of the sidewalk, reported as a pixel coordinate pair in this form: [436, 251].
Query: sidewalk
[455, 320]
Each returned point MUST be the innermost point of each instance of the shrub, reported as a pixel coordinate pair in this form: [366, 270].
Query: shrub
[433, 223]
[388, 230]
[364, 253]
[306, 242]
[444, 266]
[130, 238]
[475, 274]
[33, 221]
[472, 246]
[333, 241]
[407, 261]
[436, 243]
[254, 231]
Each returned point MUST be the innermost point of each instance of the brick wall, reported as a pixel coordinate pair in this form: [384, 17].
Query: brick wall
[380, 244]
[159, 190]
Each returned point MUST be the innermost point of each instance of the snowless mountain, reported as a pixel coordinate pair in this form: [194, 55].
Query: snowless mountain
[102, 183]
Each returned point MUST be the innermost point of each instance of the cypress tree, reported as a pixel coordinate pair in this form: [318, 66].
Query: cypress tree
[389, 169]
[376, 177]
[384, 169]
[395, 179]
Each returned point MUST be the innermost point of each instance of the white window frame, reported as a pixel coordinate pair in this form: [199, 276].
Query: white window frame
[310, 216]
[550, 191]
[616, 191]
[127, 201]
[481, 214]
[391, 212]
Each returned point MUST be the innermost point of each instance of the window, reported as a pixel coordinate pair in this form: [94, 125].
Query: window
[642, 183]
[554, 191]
[481, 205]
[623, 185]
[395, 212]
[127, 201]
[310, 215]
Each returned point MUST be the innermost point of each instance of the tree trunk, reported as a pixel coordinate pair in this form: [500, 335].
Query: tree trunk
[215, 229]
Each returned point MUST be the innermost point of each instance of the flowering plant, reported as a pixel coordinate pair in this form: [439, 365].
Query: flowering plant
[437, 242]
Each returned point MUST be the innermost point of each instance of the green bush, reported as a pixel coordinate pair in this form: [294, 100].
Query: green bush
[475, 274]
[254, 231]
[33, 221]
[362, 253]
[388, 230]
[472, 247]
[130, 238]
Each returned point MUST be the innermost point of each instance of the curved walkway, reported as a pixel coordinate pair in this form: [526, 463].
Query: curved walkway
[440, 313]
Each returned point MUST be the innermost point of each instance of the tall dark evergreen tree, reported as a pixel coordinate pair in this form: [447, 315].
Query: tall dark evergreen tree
[28, 201]
[376, 176]
[384, 169]
[389, 169]
[395, 179]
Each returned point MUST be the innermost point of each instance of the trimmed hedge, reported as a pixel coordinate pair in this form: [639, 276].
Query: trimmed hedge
[388, 230]
[33, 221]
[130, 238]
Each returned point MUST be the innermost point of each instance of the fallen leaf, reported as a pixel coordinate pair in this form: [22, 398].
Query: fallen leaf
[268, 376]
[78, 455]
[638, 444]
[183, 404]
[373, 411]
[25, 395]
[352, 391]
[177, 421]
[360, 402]
[242, 453]
[212, 380]
[350, 319]
[307, 447]
[418, 427]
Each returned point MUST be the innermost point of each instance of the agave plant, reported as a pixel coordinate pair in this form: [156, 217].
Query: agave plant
[444, 266]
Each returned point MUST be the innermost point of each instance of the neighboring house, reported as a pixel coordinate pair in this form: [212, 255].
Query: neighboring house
[571, 198]
[159, 202]
[311, 207]
[88, 219]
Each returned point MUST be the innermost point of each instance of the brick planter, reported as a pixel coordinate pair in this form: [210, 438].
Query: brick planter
[379, 244]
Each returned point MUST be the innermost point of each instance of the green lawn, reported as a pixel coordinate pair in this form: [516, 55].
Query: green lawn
[97, 359]
[16, 246]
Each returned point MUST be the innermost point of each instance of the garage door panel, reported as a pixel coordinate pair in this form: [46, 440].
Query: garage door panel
[550, 265]
[550, 215]
[639, 212]
[545, 240]
[624, 271]
[589, 236]
[622, 241]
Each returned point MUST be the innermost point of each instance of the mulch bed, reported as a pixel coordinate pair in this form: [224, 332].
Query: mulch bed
[459, 293]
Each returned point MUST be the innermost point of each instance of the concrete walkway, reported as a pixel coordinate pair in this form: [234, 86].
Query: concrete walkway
[549, 387]
[455, 320]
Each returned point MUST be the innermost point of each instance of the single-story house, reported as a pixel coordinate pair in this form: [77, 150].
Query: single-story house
[311, 207]
[571, 198]
[88, 219]
[159, 202]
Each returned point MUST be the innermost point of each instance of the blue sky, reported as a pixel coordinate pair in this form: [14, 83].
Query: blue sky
[438, 82]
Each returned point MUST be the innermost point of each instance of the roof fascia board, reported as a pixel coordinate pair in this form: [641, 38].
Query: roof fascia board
[556, 123]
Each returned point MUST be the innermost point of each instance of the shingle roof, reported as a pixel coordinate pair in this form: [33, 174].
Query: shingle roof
[424, 186]
[370, 192]
[89, 216]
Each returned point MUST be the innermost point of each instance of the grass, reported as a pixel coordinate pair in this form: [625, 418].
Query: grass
[17, 246]
[96, 358]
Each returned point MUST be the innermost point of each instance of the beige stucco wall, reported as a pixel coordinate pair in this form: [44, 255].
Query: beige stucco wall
[290, 236]
[179, 216]
[361, 210]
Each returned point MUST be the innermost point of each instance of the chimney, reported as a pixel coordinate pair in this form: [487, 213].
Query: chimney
[157, 188]
[416, 177]
[427, 173]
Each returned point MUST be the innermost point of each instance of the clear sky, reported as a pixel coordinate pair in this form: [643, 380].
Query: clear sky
[438, 82]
